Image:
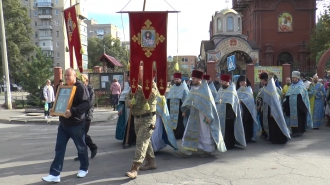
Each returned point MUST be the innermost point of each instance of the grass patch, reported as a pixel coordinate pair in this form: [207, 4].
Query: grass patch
[21, 106]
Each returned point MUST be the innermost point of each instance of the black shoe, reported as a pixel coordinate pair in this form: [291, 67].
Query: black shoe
[126, 146]
[93, 153]
[315, 128]
[76, 159]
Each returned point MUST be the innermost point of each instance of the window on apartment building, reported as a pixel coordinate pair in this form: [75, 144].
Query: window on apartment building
[35, 23]
[56, 12]
[239, 24]
[57, 33]
[57, 44]
[35, 13]
[35, 35]
[184, 59]
[56, 22]
[58, 55]
[43, 44]
[56, 1]
[36, 43]
[58, 64]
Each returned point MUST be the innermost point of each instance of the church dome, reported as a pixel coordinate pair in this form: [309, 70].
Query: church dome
[229, 10]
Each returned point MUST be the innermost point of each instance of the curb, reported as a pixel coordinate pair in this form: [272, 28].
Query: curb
[42, 122]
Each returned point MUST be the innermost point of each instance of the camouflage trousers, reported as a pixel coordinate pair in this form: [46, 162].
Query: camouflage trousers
[143, 135]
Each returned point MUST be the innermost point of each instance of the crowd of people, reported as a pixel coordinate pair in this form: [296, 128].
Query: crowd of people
[205, 115]
[220, 115]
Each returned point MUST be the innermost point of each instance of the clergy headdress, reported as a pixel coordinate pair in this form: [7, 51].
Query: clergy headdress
[263, 76]
[177, 75]
[240, 79]
[206, 77]
[225, 77]
[197, 74]
[296, 74]
[315, 76]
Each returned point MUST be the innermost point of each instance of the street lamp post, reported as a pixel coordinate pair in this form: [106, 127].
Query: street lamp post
[5, 59]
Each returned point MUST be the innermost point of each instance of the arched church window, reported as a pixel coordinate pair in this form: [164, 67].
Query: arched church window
[230, 24]
[219, 24]
[239, 24]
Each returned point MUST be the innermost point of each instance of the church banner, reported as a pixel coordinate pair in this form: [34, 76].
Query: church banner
[72, 28]
[148, 45]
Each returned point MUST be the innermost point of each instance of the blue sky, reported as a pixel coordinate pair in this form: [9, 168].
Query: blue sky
[193, 21]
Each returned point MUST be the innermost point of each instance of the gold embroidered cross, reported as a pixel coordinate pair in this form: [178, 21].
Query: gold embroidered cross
[70, 27]
[133, 83]
[161, 84]
[147, 84]
[148, 39]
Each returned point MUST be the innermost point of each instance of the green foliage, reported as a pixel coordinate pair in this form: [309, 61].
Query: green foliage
[112, 47]
[18, 36]
[36, 72]
[320, 38]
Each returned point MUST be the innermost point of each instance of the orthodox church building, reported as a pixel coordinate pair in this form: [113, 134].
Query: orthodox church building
[260, 32]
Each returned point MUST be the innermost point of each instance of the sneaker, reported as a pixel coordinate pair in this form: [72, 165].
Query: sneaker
[51, 178]
[82, 173]
[49, 116]
[46, 117]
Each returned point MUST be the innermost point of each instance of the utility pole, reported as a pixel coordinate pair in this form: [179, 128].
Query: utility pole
[5, 60]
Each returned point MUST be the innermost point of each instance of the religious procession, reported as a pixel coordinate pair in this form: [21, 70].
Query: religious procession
[205, 119]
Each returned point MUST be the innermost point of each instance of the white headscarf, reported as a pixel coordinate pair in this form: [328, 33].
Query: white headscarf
[125, 92]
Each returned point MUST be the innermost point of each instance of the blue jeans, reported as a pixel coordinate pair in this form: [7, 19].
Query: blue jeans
[77, 134]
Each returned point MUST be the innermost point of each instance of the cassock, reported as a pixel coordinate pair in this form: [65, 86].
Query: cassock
[203, 129]
[175, 97]
[249, 112]
[229, 111]
[273, 118]
[297, 108]
[163, 134]
[124, 124]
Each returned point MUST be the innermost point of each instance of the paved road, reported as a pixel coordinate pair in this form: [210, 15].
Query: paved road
[27, 151]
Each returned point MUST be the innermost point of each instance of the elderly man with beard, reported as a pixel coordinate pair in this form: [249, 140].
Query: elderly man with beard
[316, 93]
[229, 112]
[296, 105]
[175, 97]
[272, 113]
[203, 128]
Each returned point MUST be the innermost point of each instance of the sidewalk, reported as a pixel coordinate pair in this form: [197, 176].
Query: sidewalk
[36, 116]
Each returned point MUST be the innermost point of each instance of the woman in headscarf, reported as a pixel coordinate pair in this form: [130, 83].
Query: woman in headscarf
[248, 107]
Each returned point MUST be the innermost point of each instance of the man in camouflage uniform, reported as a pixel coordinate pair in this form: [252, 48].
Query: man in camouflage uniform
[144, 121]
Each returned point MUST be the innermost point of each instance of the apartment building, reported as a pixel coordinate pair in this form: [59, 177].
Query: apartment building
[187, 61]
[99, 30]
[49, 30]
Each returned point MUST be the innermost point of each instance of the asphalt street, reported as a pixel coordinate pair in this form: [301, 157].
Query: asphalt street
[28, 150]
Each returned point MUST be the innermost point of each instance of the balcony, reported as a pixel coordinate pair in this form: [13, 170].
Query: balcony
[44, 4]
[45, 37]
[45, 27]
[45, 16]
[46, 48]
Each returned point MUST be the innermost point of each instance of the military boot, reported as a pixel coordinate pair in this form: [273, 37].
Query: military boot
[150, 165]
[134, 171]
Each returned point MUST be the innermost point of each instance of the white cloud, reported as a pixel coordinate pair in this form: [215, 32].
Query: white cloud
[193, 24]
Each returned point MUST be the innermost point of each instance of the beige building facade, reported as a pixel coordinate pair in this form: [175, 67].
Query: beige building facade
[99, 30]
[186, 61]
[49, 30]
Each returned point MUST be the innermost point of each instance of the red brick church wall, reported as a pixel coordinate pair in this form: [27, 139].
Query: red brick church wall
[260, 23]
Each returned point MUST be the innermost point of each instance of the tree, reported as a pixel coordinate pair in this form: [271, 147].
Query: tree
[18, 36]
[171, 70]
[111, 46]
[320, 38]
[36, 72]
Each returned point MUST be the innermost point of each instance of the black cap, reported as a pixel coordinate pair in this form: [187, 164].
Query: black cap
[263, 76]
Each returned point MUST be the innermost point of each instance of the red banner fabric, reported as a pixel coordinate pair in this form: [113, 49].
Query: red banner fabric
[73, 34]
[148, 44]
